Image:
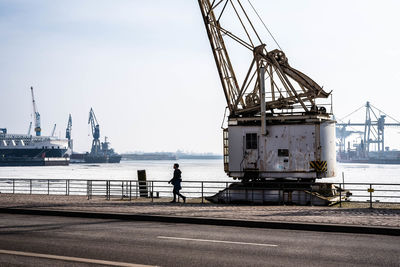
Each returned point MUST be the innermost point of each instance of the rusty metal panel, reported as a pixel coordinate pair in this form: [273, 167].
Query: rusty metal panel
[286, 150]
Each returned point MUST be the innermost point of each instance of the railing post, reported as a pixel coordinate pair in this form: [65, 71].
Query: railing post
[48, 187]
[229, 192]
[30, 186]
[137, 188]
[202, 192]
[122, 189]
[340, 195]
[108, 190]
[370, 196]
[13, 186]
[343, 179]
[130, 190]
[152, 191]
[87, 189]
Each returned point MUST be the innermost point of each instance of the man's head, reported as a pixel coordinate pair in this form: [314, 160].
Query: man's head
[176, 166]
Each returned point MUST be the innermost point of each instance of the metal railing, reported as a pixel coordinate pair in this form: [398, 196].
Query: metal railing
[133, 189]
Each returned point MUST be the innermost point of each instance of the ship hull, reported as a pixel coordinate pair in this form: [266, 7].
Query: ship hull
[102, 159]
[32, 152]
[27, 161]
[371, 161]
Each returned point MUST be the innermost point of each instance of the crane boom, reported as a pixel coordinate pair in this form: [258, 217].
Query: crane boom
[221, 56]
[30, 127]
[68, 133]
[54, 129]
[36, 115]
[288, 86]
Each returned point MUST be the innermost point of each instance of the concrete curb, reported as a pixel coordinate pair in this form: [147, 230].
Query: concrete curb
[339, 228]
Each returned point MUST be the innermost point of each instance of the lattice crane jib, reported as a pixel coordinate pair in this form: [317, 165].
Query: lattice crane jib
[36, 115]
[68, 131]
[95, 127]
[287, 90]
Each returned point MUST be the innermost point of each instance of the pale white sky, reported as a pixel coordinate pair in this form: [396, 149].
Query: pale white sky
[147, 70]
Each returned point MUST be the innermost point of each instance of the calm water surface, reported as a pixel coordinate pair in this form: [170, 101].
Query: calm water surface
[192, 170]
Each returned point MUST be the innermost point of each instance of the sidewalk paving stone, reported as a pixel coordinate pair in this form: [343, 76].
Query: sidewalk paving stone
[350, 214]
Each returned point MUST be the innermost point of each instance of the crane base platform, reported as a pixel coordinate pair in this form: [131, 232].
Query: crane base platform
[316, 194]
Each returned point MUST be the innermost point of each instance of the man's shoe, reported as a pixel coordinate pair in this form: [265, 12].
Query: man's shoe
[173, 201]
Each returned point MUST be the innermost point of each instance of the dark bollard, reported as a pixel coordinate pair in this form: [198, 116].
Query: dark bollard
[143, 191]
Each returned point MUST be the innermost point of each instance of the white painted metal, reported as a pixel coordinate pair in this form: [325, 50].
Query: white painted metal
[284, 152]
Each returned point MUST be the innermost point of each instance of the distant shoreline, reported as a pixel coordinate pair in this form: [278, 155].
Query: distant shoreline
[167, 156]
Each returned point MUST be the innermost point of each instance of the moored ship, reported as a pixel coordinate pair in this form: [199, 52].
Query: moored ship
[28, 150]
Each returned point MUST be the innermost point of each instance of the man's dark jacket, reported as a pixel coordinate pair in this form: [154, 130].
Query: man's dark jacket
[176, 180]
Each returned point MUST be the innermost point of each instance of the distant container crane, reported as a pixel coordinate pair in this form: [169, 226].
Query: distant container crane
[373, 134]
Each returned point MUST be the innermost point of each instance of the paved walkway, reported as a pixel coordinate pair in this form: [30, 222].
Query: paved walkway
[349, 214]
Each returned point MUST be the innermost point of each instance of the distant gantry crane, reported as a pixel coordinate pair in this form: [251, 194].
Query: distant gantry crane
[95, 128]
[276, 128]
[36, 115]
[373, 133]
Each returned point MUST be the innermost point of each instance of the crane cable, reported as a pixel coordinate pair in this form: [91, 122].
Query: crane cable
[348, 115]
[265, 26]
[385, 113]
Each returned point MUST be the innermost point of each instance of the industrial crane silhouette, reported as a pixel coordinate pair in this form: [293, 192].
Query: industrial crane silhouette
[374, 128]
[36, 115]
[95, 127]
[68, 132]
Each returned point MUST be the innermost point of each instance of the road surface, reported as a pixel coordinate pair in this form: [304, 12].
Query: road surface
[62, 241]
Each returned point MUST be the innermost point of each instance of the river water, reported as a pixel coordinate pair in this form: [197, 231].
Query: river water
[192, 170]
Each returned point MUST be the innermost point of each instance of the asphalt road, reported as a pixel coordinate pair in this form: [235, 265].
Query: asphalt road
[60, 241]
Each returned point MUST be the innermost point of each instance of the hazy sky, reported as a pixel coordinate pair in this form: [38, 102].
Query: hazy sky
[147, 70]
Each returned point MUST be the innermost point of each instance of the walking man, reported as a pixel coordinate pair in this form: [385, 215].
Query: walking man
[176, 182]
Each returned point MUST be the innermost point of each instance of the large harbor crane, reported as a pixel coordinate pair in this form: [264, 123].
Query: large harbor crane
[95, 127]
[276, 128]
[36, 115]
[100, 152]
[68, 132]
